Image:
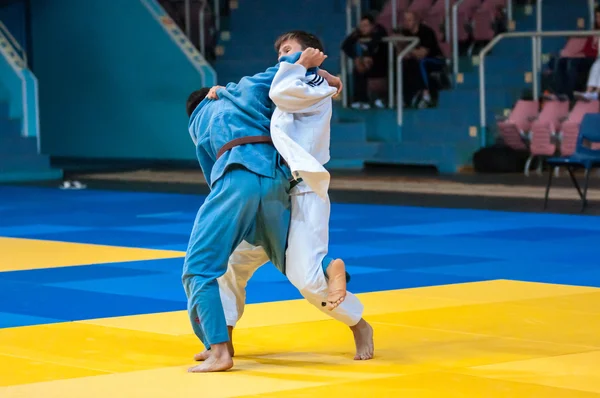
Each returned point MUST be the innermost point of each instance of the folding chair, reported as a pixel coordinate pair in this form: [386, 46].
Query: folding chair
[583, 157]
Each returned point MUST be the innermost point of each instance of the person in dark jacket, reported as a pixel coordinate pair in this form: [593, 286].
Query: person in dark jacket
[370, 57]
[426, 58]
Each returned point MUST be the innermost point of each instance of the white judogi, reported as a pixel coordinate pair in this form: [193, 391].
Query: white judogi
[300, 129]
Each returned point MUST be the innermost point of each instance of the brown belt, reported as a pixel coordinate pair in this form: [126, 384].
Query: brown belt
[257, 139]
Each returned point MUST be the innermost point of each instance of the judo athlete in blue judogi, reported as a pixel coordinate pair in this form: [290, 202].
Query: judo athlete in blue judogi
[249, 199]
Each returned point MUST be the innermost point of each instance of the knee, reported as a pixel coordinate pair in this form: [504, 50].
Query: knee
[193, 283]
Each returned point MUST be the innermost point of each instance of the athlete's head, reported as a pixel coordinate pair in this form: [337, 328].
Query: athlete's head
[296, 41]
[194, 99]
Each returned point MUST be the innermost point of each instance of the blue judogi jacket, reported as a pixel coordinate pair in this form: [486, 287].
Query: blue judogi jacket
[243, 109]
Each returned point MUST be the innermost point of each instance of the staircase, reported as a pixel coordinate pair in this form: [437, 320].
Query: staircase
[20, 159]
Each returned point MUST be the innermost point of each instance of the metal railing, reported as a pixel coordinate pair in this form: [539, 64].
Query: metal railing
[538, 41]
[201, 28]
[13, 42]
[350, 4]
[534, 60]
[395, 14]
[187, 7]
[217, 14]
[455, 37]
[447, 19]
[391, 41]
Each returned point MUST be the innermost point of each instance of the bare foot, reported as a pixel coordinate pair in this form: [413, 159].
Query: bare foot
[218, 361]
[203, 356]
[363, 338]
[336, 284]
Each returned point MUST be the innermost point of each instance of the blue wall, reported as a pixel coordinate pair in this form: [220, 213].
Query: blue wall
[112, 82]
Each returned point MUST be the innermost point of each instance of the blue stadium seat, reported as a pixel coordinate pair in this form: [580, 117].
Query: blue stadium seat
[584, 156]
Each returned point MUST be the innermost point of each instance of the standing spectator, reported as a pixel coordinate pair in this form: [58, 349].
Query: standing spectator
[422, 61]
[369, 53]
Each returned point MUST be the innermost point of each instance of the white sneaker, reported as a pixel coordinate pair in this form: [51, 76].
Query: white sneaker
[379, 104]
[587, 96]
[360, 105]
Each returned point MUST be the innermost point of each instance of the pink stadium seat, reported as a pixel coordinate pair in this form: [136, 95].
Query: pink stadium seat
[570, 128]
[513, 130]
[420, 7]
[545, 129]
[385, 17]
[436, 16]
[543, 136]
[468, 7]
[463, 20]
[483, 25]
[439, 7]
[573, 48]
[491, 5]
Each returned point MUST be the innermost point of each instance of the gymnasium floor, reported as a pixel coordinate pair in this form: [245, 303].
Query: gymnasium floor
[464, 303]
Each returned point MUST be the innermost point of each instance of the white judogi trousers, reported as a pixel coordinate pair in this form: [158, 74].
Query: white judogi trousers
[308, 244]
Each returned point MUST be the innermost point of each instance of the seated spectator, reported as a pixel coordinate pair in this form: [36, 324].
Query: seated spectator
[420, 63]
[369, 53]
[571, 67]
[593, 82]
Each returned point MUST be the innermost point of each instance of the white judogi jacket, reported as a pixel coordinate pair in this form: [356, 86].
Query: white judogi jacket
[300, 126]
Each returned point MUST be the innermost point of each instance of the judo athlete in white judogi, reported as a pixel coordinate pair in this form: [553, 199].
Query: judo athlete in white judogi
[300, 130]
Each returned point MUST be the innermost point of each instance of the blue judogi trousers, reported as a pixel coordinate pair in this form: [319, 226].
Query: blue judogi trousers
[241, 206]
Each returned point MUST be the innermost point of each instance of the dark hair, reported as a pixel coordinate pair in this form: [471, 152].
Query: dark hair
[305, 40]
[369, 18]
[194, 99]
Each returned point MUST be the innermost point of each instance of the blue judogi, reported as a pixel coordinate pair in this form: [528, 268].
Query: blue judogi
[249, 198]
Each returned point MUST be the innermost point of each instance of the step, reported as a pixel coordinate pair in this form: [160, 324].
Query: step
[509, 79]
[8, 127]
[345, 164]
[4, 94]
[40, 175]
[456, 99]
[447, 157]
[3, 110]
[348, 132]
[360, 150]
[15, 144]
[233, 71]
[32, 162]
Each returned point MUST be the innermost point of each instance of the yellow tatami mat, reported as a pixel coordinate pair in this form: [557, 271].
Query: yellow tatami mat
[486, 339]
[26, 254]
